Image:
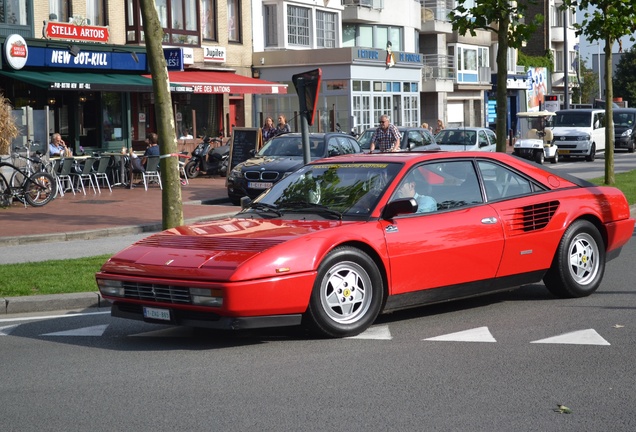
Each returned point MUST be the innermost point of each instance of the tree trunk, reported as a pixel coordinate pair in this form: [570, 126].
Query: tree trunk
[171, 201]
[610, 178]
[502, 84]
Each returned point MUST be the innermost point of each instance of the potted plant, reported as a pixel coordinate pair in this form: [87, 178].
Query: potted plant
[8, 129]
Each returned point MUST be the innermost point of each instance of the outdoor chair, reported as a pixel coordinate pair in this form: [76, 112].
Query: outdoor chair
[64, 179]
[100, 173]
[86, 176]
[152, 171]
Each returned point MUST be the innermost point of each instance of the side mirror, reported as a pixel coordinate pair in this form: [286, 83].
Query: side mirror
[399, 207]
[245, 202]
[252, 152]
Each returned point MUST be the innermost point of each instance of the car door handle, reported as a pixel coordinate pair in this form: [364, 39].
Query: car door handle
[489, 220]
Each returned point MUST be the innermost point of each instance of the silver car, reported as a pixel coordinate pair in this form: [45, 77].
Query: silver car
[467, 139]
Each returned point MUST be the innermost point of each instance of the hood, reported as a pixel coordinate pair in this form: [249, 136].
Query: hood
[571, 131]
[458, 147]
[273, 163]
[216, 250]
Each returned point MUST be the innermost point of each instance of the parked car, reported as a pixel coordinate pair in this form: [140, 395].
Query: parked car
[624, 128]
[467, 138]
[411, 137]
[280, 156]
[343, 239]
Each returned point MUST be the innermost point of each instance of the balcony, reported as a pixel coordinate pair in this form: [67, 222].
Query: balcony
[373, 4]
[438, 73]
[435, 16]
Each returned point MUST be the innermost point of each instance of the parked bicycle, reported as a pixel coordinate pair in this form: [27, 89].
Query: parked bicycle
[34, 189]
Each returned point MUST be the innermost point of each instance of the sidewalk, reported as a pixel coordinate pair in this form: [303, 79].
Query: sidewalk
[122, 211]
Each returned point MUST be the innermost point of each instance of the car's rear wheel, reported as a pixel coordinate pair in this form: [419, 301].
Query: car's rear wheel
[579, 263]
[592, 155]
[347, 295]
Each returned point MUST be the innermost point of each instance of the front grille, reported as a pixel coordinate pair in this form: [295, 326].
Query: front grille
[156, 293]
[530, 218]
[269, 176]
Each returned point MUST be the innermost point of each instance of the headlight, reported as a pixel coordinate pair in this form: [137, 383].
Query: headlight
[236, 173]
[583, 138]
[626, 133]
[111, 287]
[206, 297]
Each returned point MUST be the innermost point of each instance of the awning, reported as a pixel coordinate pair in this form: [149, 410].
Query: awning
[55, 80]
[210, 82]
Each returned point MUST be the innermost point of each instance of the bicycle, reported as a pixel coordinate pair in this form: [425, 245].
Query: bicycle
[35, 189]
[32, 165]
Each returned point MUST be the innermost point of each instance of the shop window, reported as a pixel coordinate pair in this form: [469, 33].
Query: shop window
[271, 25]
[234, 20]
[208, 20]
[59, 10]
[96, 12]
[326, 29]
[14, 12]
[178, 18]
[112, 128]
[298, 26]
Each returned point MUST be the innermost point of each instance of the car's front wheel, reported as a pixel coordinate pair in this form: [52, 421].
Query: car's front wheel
[579, 263]
[539, 157]
[347, 295]
[592, 155]
[555, 159]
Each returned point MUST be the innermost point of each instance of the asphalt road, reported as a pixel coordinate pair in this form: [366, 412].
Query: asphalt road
[503, 362]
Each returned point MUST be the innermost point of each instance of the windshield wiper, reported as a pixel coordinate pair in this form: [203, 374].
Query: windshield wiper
[264, 207]
[308, 206]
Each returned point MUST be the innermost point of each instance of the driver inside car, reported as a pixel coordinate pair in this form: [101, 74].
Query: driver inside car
[409, 188]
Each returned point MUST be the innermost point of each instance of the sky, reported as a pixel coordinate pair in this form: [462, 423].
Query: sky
[588, 49]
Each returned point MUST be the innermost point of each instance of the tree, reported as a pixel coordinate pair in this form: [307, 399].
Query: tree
[506, 19]
[171, 201]
[625, 78]
[609, 21]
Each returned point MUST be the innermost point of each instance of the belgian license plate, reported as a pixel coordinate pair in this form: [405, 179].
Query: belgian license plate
[158, 314]
[564, 151]
[260, 185]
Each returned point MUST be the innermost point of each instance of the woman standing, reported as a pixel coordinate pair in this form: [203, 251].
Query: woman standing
[440, 126]
[282, 127]
[268, 130]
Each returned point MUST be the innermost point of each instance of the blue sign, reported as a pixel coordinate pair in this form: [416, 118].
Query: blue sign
[174, 58]
[58, 58]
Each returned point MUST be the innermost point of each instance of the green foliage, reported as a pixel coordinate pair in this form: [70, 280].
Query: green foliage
[50, 277]
[625, 77]
[605, 20]
[528, 61]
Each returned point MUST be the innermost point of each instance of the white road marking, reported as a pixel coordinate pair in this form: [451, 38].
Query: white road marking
[43, 317]
[580, 337]
[6, 331]
[375, 332]
[479, 334]
[97, 330]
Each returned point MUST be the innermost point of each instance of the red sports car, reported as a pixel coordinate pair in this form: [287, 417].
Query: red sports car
[344, 239]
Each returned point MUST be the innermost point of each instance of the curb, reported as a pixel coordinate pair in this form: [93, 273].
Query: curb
[52, 302]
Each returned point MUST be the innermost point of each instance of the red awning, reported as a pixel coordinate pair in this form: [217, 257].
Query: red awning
[214, 82]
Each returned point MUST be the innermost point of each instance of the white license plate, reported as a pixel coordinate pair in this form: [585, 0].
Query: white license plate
[158, 314]
[260, 185]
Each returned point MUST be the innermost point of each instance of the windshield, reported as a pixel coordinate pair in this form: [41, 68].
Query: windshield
[292, 146]
[455, 137]
[625, 120]
[349, 189]
[572, 119]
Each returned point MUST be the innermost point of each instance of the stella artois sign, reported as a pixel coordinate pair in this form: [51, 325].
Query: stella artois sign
[16, 51]
[69, 31]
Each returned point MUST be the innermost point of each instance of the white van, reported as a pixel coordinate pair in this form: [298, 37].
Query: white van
[579, 132]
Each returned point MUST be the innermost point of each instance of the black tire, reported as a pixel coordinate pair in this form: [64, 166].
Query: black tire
[539, 157]
[579, 263]
[347, 294]
[191, 169]
[6, 197]
[555, 159]
[592, 155]
[40, 189]
[630, 148]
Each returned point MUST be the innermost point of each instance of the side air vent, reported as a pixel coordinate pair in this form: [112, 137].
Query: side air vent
[530, 218]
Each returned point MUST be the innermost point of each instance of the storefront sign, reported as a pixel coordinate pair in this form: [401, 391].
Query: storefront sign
[16, 51]
[374, 55]
[88, 60]
[67, 31]
[214, 54]
[188, 55]
[174, 58]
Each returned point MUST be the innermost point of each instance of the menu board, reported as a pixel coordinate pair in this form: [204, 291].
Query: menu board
[243, 140]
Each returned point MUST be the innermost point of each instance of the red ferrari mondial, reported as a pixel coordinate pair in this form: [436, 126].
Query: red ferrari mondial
[344, 239]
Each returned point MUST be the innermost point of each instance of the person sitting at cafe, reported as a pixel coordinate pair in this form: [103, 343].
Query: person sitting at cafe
[153, 148]
[57, 146]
